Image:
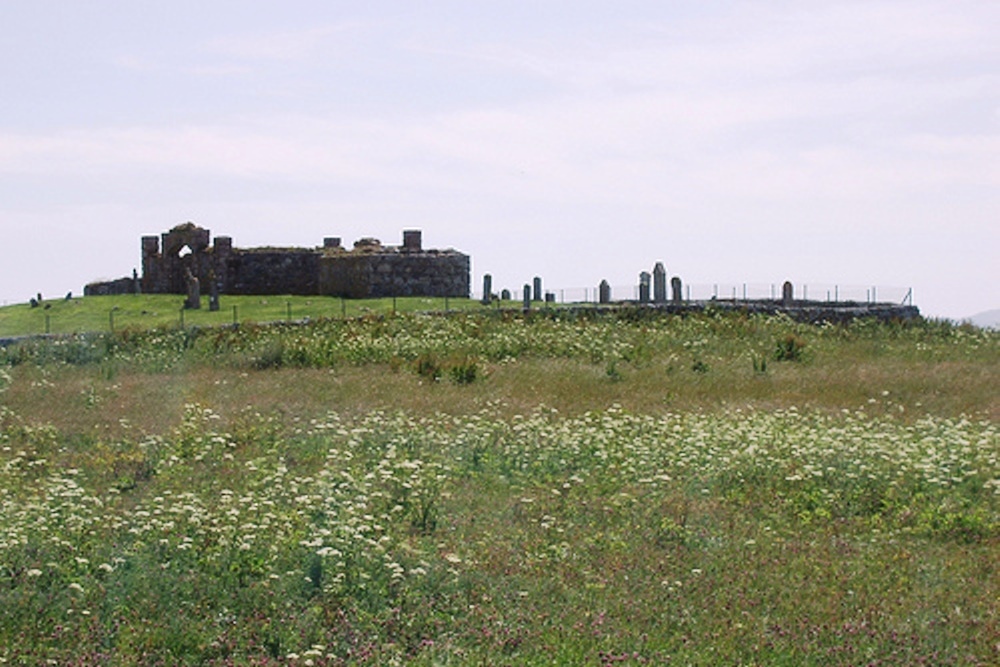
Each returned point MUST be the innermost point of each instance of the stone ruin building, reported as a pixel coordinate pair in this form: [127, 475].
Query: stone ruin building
[369, 270]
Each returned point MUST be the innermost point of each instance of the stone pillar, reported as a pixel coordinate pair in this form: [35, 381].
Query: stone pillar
[150, 264]
[604, 292]
[193, 301]
[644, 287]
[659, 283]
[787, 294]
[538, 289]
[675, 287]
[527, 297]
[487, 289]
[412, 240]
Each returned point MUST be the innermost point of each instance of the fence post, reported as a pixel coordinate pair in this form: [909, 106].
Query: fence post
[111, 319]
[446, 309]
[343, 308]
[182, 318]
[235, 316]
[288, 311]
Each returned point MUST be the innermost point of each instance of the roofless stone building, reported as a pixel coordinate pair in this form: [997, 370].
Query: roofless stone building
[369, 270]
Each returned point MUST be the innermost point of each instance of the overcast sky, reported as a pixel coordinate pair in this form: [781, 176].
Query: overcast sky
[833, 142]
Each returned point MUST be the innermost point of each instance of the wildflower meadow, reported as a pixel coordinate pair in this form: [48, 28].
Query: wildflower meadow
[502, 489]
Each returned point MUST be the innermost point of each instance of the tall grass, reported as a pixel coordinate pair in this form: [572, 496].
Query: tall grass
[484, 490]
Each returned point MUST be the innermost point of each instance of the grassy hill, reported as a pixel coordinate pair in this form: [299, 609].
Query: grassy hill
[488, 487]
[144, 311]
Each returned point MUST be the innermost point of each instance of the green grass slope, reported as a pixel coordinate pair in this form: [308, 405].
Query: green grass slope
[495, 488]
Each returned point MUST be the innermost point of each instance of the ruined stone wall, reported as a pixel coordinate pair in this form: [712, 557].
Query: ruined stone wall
[369, 271]
[111, 287]
[384, 274]
[281, 271]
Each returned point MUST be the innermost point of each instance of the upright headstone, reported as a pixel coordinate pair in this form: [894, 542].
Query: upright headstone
[659, 283]
[193, 301]
[675, 287]
[487, 289]
[604, 292]
[644, 287]
[527, 297]
[538, 288]
[787, 294]
[505, 294]
[550, 297]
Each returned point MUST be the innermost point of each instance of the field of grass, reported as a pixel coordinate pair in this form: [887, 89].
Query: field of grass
[492, 488]
[109, 313]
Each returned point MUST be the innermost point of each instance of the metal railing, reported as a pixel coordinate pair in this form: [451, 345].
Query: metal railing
[737, 293]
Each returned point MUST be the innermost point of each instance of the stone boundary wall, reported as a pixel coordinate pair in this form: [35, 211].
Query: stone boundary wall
[805, 311]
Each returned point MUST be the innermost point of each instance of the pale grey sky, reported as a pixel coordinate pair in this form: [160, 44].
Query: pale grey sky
[834, 142]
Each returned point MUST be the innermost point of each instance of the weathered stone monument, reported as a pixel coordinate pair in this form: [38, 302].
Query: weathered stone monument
[644, 287]
[604, 292]
[538, 289]
[659, 283]
[487, 289]
[193, 301]
[787, 294]
[505, 294]
[675, 288]
[527, 297]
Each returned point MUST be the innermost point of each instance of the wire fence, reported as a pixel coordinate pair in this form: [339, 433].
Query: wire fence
[728, 292]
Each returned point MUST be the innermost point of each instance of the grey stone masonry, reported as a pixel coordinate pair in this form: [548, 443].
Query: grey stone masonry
[659, 283]
[370, 270]
[487, 289]
[787, 294]
[644, 287]
[604, 292]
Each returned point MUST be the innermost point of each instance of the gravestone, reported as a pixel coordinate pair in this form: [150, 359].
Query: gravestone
[787, 294]
[193, 301]
[505, 295]
[659, 283]
[538, 289]
[644, 287]
[487, 289]
[550, 297]
[604, 292]
[675, 287]
[527, 297]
